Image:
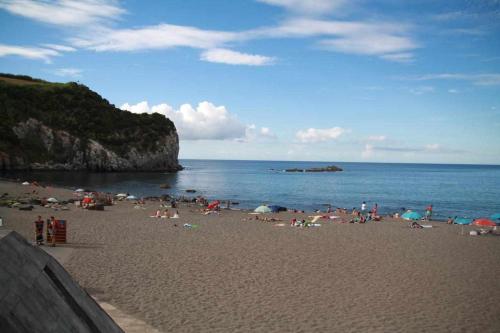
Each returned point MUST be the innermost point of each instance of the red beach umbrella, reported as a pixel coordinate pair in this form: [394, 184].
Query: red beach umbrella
[484, 222]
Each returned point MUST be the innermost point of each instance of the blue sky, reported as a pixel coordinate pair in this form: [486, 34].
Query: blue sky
[326, 80]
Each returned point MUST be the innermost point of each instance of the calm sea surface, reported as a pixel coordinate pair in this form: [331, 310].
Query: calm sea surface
[454, 190]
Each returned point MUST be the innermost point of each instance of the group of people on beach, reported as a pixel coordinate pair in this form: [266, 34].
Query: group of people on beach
[363, 215]
[166, 214]
[52, 227]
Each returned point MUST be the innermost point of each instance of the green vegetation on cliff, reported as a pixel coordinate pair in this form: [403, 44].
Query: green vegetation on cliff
[76, 109]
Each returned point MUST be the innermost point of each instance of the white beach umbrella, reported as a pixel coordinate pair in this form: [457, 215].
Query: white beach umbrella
[25, 183]
[79, 190]
[52, 200]
[131, 197]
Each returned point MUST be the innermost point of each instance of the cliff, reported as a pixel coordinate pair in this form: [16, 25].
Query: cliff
[67, 126]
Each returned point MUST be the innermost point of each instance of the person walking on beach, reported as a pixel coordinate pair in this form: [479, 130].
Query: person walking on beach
[363, 207]
[428, 212]
[39, 230]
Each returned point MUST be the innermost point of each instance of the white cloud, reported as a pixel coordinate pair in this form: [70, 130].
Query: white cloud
[68, 72]
[253, 133]
[375, 44]
[368, 151]
[377, 138]
[28, 52]
[453, 91]
[225, 56]
[421, 90]
[205, 122]
[57, 47]
[386, 40]
[398, 57]
[65, 12]
[162, 36]
[433, 147]
[487, 79]
[306, 6]
[312, 135]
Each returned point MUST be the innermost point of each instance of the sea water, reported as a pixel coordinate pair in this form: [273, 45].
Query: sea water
[453, 190]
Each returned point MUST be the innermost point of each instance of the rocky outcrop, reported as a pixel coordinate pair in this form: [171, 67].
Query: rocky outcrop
[59, 150]
[67, 126]
[331, 168]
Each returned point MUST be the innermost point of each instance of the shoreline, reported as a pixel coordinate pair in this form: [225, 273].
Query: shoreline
[185, 197]
[234, 273]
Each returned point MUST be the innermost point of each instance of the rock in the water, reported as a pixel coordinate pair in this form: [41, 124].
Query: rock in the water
[331, 168]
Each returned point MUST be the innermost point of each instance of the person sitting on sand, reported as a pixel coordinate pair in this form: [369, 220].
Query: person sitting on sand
[450, 220]
[166, 214]
[39, 230]
[292, 222]
[176, 215]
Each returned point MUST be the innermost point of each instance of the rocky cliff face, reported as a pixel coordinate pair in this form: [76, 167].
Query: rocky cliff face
[59, 150]
[67, 126]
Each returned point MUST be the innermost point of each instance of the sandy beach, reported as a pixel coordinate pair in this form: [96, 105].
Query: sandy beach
[235, 274]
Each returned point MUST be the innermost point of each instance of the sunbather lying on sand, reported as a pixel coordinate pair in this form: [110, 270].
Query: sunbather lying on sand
[157, 215]
[267, 219]
[415, 225]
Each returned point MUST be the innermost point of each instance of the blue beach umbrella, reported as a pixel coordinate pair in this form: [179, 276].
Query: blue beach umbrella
[411, 216]
[463, 220]
[495, 217]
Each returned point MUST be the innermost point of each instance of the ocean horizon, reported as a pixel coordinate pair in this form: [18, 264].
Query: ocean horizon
[453, 189]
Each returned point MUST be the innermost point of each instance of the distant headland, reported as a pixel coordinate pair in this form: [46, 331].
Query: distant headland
[67, 126]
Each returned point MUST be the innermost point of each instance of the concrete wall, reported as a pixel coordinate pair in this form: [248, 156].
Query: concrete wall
[38, 295]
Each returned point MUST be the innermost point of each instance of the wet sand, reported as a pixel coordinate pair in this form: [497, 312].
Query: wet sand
[233, 274]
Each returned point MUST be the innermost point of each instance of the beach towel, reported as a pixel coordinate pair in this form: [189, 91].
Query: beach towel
[279, 225]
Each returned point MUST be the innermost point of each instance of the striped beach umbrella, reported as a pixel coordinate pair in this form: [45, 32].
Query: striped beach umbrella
[411, 216]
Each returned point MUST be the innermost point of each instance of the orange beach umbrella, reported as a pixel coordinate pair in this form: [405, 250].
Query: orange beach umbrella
[484, 222]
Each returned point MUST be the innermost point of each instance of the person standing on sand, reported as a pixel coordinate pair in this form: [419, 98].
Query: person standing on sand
[428, 212]
[363, 207]
[39, 230]
[53, 228]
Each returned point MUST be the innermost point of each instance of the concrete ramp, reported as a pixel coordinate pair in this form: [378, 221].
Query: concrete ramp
[38, 295]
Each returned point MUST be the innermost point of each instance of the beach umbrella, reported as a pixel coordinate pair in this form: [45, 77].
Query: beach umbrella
[277, 209]
[25, 183]
[463, 220]
[495, 217]
[79, 190]
[484, 222]
[263, 209]
[131, 197]
[411, 216]
[52, 200]
[213, 204]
